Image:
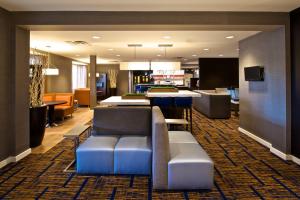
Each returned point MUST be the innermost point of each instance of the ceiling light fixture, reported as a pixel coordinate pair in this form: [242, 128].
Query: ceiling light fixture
[138, 65]
[165, 46]
[194, 55]
[50, 70]
[230, 37]
[221, 55]
[118, 55]
[134, 45]
[167, 37]
[96, 37]
[206, 49]
[110, 49]
[165, 65]
[158, 55]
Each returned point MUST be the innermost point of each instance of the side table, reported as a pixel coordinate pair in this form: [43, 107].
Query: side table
[74, 134]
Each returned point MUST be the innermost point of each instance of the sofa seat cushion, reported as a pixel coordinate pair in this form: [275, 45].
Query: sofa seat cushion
[133, 155]
[96, 155]
[189, 167]
[181, 137]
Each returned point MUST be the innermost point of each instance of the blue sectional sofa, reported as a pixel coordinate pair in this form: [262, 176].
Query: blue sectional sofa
[135, 140]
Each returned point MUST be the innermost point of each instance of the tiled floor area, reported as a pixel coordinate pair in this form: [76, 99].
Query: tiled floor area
[243, 170]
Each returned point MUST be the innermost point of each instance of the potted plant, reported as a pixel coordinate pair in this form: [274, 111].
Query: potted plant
[112, 75]
[38, 111]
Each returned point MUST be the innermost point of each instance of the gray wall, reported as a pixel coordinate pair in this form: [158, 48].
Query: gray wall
[14, 75]
[20, 85]
[5, 139]
[62, 82]
[263, 104]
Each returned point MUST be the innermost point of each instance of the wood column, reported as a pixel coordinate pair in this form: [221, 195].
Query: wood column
[93, 93]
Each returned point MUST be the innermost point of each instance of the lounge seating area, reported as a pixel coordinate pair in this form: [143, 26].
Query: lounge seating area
[63, 110]
[162, 100]
[135, 140]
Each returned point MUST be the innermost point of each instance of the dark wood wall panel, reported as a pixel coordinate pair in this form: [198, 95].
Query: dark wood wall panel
[295, 44]
[218, 73]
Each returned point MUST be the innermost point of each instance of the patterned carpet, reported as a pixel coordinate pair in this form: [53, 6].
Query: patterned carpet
[243, 170]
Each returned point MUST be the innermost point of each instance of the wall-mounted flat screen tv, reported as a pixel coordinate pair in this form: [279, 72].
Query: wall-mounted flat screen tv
[255, 73]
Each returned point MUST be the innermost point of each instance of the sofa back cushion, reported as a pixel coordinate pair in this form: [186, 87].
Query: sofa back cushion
[49, 97]
[122, 121]
[160, 150]
[65, 97]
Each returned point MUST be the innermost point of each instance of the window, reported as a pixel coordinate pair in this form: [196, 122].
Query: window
[79, 76]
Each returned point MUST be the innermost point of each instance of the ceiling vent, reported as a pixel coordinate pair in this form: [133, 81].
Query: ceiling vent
[77, 42]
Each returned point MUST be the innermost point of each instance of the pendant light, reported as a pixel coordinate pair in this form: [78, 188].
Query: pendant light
[135, 65]
[51, 70]
[165, 65]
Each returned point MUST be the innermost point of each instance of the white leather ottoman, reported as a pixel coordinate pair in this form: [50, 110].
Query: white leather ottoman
[96, 155]
[189, 167]
[133, 155]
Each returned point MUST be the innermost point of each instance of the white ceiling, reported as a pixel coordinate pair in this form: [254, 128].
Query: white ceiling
[112, 45]
[150, 5]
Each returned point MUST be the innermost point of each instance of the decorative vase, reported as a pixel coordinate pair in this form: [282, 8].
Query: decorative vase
[38, 120]
[113, 91]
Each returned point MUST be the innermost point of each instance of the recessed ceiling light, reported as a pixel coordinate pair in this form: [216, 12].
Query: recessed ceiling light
[185, 59]
[221, 55]
[167, 37]
[96, 37]
[158, 55]
[206, 49]
[110, 49]
[118, 55]
[194, 55]
[230, 37]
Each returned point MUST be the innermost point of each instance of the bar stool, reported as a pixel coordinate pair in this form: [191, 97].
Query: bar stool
[186, 104]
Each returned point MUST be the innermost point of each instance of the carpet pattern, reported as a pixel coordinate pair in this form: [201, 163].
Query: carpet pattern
[244, 169]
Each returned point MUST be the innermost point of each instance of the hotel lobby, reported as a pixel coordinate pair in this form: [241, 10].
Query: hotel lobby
[149, 100]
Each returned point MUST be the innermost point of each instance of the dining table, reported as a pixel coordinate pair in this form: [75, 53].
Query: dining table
[51, 107]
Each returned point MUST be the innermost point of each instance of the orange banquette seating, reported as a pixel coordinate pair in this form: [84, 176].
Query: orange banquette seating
[82, 95]
[63, 110]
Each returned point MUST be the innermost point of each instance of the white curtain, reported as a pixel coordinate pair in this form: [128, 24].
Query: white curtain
[79, 76]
